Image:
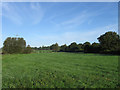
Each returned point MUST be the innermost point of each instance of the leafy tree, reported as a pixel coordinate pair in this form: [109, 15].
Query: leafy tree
[63, 48]
[14, 45]
[87, 43]
[87, 47]
[45, 48]
[54, 47]
[95, 48]
[40, 48]
[109, 42]
[73, 47]
[80, 45]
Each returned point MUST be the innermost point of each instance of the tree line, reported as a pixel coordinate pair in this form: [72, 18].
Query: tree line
[108, 43]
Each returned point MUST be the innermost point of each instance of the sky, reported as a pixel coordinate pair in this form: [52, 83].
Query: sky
[46, 23]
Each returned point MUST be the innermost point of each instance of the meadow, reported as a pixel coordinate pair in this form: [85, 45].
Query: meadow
[59, 70]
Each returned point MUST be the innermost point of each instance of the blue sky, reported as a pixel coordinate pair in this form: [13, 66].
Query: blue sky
[45, 23]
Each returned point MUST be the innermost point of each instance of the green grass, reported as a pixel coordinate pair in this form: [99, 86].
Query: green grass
[59, 70]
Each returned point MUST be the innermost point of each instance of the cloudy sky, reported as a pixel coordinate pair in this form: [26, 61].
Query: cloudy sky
[45, 23]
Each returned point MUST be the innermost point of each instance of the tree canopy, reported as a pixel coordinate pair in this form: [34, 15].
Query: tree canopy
[109, 42]
[55, 47]
[14, 45]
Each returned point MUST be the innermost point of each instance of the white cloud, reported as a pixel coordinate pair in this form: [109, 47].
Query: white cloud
[35, 6]
[83, 17]
[32, 13]
[37, 12]
[90, 35]
[77, 20]
[10, 13]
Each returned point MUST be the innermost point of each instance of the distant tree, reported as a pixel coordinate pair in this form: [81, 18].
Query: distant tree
[109, 42]
[7, 45]
[73, 47]
[35, 48]
[86, 43]
[45, 48]
[86, 46]
[21, 44]
[14, 45]
[54, 47]
[81, 48]
[27, 50]
[51, 47]
[39, 48]
[67, 49]
[63, 48]
[95, 48]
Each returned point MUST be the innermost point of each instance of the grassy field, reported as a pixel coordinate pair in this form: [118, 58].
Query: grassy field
[59, 70]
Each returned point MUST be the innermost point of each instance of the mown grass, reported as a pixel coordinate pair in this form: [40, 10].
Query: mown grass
[59, 70]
